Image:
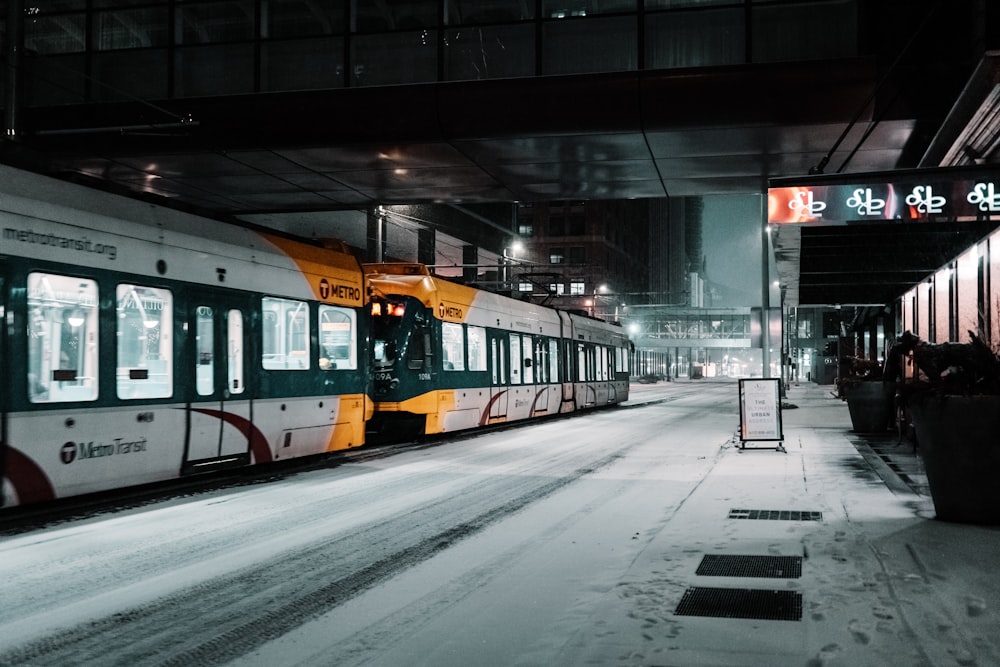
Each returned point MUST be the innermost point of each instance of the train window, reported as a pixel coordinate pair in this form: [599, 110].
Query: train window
[205, 345]
[587, 363]
[285, 330]
[383, 352]
[145, 342]
[452, 346]
[515, 359]
[234, 339]
[417, 349]
[477, 348]
[553, 360]
[337, 338]
[529, 368]
[62, 338]
[496, 353]
[541, 362]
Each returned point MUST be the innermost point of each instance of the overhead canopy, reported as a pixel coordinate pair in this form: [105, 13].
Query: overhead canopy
[865, 239]
[652, 133]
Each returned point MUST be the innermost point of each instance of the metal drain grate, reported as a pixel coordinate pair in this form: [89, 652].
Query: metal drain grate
[777, 567]
[776, 515]
[741, 603]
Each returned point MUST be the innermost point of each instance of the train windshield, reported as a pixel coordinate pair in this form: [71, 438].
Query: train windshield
[384, 351]
[387, 320]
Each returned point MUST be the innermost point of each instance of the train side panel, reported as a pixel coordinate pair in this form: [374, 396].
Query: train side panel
[81, 451]
[303, 426]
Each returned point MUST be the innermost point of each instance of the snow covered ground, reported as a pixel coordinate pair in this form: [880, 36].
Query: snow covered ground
[568, 542]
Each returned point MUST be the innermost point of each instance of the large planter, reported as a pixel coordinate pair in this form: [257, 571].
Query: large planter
[870, 405]
[958, 438]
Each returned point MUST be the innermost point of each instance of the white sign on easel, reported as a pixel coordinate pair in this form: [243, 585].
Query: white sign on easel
[760, 411]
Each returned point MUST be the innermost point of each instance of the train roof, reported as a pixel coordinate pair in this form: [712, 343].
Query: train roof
[47, 218]
[455, 302]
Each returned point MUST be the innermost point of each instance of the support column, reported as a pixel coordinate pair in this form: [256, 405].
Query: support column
[470, 263]
[14, 76]
[765, 291]
[376, 235]
[427, 246]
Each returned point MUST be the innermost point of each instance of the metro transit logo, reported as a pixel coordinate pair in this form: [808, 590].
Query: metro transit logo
[328, 290]
[71, 451]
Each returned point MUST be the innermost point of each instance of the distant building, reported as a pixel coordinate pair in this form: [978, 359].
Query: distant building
[584, 255]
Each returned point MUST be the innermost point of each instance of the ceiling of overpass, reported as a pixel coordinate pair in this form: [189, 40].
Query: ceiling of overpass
[864, 261]
[609, 136]
[282, 157]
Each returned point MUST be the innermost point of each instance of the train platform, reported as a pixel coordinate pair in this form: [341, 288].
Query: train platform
[830, 554]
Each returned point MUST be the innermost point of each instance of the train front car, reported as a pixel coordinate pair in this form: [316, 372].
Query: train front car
[401, 363]
[446, 357]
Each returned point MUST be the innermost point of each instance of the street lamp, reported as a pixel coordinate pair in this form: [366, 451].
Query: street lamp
[602, 291]
[602, 288]
[509, 256]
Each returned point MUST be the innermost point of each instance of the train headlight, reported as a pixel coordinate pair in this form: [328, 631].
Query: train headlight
[380, 308]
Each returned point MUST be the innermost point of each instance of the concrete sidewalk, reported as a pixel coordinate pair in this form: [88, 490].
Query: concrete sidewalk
[893, 586]
[882, 581]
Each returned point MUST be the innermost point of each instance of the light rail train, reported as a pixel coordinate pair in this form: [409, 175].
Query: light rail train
[143, 344]
[448, 357]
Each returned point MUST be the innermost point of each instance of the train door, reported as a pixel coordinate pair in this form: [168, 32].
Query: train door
[586, 368]
[567, 370]
[220, 410]
[540, 364]
[605, 375]
[614, 362]
[498, 375]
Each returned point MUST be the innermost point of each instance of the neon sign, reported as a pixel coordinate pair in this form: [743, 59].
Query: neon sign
[879, 202]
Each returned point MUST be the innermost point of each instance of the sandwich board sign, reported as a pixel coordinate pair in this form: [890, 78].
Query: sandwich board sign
[760, 411]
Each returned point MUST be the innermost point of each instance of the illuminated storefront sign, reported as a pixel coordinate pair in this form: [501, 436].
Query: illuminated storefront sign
[900, 201]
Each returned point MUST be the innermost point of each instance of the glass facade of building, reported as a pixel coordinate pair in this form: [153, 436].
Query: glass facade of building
[108, 50]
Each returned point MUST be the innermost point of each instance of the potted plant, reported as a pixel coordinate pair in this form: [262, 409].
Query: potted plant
[869, 399]
[953, 400]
